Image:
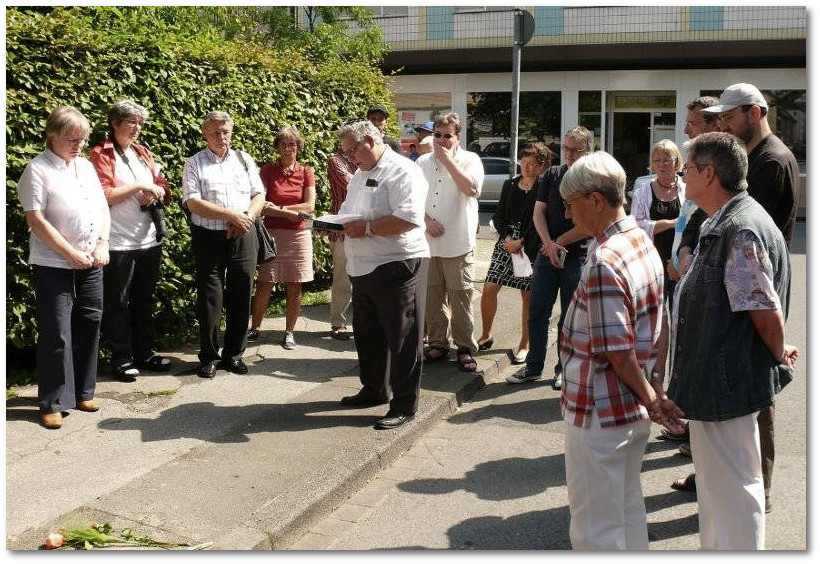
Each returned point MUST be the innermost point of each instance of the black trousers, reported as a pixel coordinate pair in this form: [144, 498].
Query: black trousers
[69, 306]
[388, 326]
[129, 281]
[224, 274]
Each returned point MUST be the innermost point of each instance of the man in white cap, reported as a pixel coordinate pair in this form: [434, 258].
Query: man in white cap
[773, 171]
[772, 179]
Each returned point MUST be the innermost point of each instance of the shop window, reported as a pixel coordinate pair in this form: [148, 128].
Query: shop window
[489, 114]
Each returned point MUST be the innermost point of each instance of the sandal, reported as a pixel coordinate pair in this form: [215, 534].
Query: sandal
[155, 363]
[435, 354]
[340, 333]
[486, 345]
[466, 361]
[686, 484]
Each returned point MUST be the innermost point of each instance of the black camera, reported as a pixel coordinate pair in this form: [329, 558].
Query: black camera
[155, 209]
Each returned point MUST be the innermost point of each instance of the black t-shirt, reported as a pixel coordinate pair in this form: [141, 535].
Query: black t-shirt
[557, 222]
[660, 209]
[773, 176]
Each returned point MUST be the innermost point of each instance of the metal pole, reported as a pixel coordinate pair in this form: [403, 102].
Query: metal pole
[516, 88]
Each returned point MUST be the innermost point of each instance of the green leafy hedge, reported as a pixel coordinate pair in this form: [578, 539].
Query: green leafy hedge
[179, 68]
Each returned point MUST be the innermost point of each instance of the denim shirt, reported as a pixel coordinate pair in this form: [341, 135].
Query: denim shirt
[722, 369]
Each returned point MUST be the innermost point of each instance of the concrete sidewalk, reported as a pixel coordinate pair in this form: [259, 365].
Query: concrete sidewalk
[247, 462]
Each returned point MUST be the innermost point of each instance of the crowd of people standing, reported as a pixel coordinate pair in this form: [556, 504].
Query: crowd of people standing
[693, 284]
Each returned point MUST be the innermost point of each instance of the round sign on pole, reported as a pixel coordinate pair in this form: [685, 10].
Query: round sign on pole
[524, 27]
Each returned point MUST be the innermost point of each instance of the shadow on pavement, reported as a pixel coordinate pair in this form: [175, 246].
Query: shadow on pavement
[509, 478]
[536, 530]
[194, 420]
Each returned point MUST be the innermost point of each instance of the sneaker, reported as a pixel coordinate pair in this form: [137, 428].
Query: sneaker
[558, 382]
[253, 335]
[521, 376]
[288, 342]
[685, 449]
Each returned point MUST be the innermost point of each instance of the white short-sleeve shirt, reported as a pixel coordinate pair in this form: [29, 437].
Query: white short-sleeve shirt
[131, 228]
[394, 186]
[455, 210]
[70, 198]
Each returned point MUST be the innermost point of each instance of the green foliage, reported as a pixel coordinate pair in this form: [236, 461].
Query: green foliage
[179, 62]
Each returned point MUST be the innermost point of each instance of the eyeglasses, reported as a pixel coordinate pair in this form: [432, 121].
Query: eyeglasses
[686, 168]
[695, 123]
[351, 153]
[574, 151]
[75, 140]
[286, 144]
[663, 161]
[568, 203]
[438, 135]
[726, 116]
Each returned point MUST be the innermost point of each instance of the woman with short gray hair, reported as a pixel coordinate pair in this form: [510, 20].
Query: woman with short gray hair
[69, 221]
[607, 348]
[136, 192]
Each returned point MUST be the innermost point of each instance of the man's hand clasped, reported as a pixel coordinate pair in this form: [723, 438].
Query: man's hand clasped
[552, 251]
[434, 227]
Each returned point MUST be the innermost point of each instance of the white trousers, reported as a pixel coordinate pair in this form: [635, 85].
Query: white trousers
[606, 505]
[730, 483]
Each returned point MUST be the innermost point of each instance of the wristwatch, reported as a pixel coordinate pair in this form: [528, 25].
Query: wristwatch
[655, 376]
[368, 228]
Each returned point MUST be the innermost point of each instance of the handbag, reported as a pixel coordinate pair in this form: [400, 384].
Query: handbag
[267, 245]
[521, 265]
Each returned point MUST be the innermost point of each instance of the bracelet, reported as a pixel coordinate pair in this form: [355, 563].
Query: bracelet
[655, 376]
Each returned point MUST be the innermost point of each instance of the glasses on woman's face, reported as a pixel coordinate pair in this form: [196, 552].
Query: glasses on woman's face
[658, 162]
[438, 135]
[288, 145]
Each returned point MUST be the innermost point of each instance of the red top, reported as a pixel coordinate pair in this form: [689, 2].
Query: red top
[102, 157]
[285, 188]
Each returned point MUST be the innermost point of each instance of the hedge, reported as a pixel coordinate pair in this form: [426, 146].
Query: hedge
[92, 57]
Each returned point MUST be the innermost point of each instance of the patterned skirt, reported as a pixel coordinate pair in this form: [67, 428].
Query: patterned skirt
[294, 257]
[501, 268]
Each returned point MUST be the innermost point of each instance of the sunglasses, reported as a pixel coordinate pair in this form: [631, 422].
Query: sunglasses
[438, 135]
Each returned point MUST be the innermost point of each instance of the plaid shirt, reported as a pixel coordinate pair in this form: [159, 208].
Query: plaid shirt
[339, 173]
[617, 307]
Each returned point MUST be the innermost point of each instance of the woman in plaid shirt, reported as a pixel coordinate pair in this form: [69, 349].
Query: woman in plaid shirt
[607, 351]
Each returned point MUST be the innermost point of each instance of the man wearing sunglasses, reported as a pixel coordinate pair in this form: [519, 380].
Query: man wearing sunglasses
[455, 176]
[772, 178]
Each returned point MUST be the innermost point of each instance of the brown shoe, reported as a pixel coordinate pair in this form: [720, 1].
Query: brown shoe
[88, 405]
[51, 420]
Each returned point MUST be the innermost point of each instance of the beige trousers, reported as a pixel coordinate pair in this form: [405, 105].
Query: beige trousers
[340, 291]
[450, 302]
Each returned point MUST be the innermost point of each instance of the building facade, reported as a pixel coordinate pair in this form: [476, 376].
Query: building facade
[626, 73]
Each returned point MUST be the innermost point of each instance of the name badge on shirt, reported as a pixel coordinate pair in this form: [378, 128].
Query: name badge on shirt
[371, 183]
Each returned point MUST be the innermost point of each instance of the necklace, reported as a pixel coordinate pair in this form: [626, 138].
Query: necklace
[674, 183]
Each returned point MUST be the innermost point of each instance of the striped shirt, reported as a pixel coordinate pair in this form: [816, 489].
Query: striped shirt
[228, 182]
[616, 307]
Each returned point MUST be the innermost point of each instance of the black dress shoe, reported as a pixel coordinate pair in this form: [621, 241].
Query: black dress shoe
[235, 366]
[207, 371]
[393, 419]
[360, 400]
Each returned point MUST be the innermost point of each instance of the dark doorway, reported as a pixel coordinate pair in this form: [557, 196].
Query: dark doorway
[630, 143]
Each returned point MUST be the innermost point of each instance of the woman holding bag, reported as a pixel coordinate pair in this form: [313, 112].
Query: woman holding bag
[291, 193]
[516, 234]
[133, 185]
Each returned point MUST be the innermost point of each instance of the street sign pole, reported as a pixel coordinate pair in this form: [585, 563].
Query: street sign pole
[524, 28]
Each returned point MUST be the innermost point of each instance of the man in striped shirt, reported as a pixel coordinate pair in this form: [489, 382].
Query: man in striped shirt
[607, 352]
[222, 189]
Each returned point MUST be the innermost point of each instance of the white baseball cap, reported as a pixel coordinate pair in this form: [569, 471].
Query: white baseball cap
[740, 94]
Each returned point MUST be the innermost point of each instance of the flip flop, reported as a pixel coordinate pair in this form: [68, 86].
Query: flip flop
[430, 358]
[486, 345]
[686, 484]
[466, 361]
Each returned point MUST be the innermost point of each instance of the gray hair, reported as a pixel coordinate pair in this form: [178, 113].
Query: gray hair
[64, 119]
[726, 153]
[124, 109]
[598, 172]
[358, 129]
[704, 102]
[666, 146]
[583, 135]
[216, 116]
